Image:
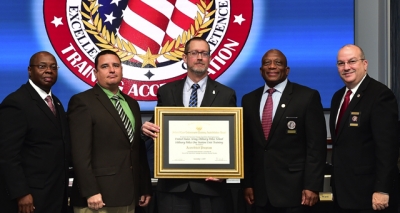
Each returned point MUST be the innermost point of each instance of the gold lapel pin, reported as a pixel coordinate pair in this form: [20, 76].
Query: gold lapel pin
[283, 105]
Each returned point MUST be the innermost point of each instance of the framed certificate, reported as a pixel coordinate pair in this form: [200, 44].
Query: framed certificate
[199, 142]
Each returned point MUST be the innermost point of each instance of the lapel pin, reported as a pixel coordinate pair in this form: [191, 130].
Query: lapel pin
[283, 105]
[213, 92]
[358, 95]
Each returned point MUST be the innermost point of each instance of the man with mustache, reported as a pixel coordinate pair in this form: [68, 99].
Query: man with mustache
[109, 157]
[284, 141]
[192, 195]
[363, 126]
[34, 143]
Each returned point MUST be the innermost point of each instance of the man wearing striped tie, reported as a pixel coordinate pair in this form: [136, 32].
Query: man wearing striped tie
[109, 158]
[196, 90]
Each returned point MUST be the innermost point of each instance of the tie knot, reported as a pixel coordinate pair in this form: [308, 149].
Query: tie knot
[48, 98]
[115, 97]
[195, 86]
[348, 93]
[271, 90]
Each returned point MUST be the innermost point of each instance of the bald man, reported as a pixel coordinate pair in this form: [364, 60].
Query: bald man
[34, 143]
[365, 139]
[283, 163]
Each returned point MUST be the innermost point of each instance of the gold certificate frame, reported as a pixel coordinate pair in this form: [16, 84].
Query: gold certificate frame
[199, 142]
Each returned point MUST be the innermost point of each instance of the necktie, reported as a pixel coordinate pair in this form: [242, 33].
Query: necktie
[266, 121]
[343, 108]
[124, 117]
[193, 96]
[49, 102]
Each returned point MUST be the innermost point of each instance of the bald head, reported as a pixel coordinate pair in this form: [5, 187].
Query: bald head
[34, 58]
[359, 51]
[277, 52]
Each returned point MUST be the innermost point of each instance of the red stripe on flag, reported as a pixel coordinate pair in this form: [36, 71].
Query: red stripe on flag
[138, 38]
[172, 2]
[181, 19]
[150, 14]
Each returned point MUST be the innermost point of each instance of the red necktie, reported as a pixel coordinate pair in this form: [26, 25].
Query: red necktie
[343, 108]
[266, 120]
[49, 102]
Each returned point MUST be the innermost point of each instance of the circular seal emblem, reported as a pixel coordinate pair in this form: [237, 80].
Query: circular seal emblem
[291, 125]
[149, 37]
[354, 118]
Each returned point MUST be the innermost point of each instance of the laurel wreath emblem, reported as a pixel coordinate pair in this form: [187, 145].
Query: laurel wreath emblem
[171, 50]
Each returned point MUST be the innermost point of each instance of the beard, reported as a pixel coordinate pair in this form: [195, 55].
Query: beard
[198, 71]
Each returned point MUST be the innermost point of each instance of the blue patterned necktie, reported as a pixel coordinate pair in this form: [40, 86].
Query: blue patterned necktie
[193, 96]
[124, 117]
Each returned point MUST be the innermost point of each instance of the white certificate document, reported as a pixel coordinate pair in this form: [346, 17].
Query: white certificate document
[198, 142]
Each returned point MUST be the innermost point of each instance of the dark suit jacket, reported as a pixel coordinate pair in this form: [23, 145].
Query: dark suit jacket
[104, 160]
[365, 150]
[280, 168]
[216, 95]
[34, 151]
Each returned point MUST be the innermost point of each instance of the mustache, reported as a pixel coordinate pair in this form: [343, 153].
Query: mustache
[347, 72]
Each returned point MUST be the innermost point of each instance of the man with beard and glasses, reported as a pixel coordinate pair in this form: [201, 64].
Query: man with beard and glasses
[192, 195]
[363, 125]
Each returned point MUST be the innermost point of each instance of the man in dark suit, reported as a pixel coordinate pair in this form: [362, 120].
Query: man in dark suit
[364, 137]
[284, 143]
[109, 157]
[34, 144]
[194, 195]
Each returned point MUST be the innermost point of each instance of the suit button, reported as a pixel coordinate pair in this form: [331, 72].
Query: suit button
[130, 167]
[265, 150]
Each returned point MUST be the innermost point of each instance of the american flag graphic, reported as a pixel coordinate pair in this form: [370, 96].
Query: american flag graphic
[148, 24]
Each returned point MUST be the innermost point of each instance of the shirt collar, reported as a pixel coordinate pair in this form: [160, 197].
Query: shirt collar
[354, 90]
[202, 83]
[41, 92]
[110, 94]
[279, 87]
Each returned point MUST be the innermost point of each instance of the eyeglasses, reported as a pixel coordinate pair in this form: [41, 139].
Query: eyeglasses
[196, 54]
[43, 67]
[351, 62]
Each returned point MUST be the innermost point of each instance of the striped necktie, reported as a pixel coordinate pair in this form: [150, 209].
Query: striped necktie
[124, 117]
[49, 102]
[193, 96]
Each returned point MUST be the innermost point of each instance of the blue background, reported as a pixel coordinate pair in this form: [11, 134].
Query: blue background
[308, 32]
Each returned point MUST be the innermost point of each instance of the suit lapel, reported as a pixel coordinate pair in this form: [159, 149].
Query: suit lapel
[136, 112]
[334, 111]
[41, 104]
[107, 104]
[210, 93]
[256, 114]
[61, 114]
[177, 92]
[280, 111]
